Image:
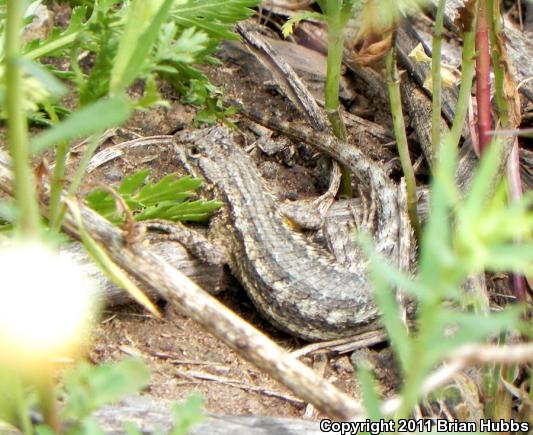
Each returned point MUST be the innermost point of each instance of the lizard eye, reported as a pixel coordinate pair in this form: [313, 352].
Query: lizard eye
[194, 151]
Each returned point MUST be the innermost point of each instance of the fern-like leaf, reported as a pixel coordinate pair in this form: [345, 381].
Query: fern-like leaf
[213, 17]
[164, 199]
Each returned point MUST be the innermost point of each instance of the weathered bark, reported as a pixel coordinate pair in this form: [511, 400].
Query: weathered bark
[210, 277]
[149, 415]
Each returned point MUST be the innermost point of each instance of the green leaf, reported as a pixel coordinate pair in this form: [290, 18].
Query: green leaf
[288, 27]
[371, 399]
[396, 330]
[44, 430]
[517, 258]
[51, 84]
[209, 16]
[436, 237]
[96, 84]
[161, 200]
[8, 210]
[90, 427]
[186, 48]
[133, 182]
[482, 182]
[192, 211]
[102, 202]
[14, 405]
[168, 188]
[131, 429]
[188, 414]
[463, 328]
[95, 117]
[139, 16]
[135, 60]
[488, 228]
[151, 96]
[90, 387]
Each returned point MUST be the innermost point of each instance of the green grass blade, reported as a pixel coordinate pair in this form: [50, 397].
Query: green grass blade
[371, 399]
[134, 58]
[95, 117]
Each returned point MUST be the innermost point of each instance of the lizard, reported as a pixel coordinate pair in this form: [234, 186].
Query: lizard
[296, 286]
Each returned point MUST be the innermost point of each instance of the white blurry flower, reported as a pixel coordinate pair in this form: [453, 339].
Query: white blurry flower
[46, 305]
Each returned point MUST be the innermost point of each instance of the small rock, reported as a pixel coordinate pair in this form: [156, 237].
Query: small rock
[291, 195]
[271, 146]
[362, 356]
[113, 175]
[269, 170]
[343, 365]
[40, 26]
[288, 154]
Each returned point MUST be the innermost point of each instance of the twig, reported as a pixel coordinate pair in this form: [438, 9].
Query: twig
[466, 356]
[342, 345]
[117, 150]
[239, 384]
[320, 363]
[473, 354]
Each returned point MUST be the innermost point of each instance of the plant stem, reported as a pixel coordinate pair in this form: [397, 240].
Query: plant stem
[467, 73]
[48, 404]
[436, 49]
[57, 185]
[84, 162]
[336, 22]
[393, 82]
[505, 110]
[418, 367]
[59, 43]
[495, 35]
[76, 180]
[58, 175]
[56, 44]
[484, 109]
[24, 183]
[21, 405]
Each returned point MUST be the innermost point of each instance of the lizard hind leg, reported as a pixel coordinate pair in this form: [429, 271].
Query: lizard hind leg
[194, 241]
[311, 214]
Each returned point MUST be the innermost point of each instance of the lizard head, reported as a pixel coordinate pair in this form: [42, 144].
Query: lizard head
[202, 152]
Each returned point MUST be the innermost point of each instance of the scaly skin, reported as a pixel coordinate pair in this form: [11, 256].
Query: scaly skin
[296, 286]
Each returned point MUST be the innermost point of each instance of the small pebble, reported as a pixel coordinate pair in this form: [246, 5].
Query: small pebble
[343, 365]
[291, 195]
[270, 146]
[113, 175]
[269, 170]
